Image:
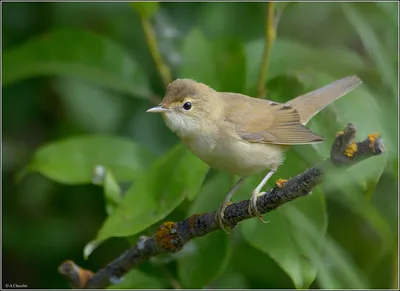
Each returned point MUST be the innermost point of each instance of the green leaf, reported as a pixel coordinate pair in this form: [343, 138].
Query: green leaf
[336, 270]
[277, 238]
[73, 160]
[197, 62]
[159, 191]
[112, 192]
[349, 189]
[240, 20]
[289, 56]
[193, 175]
[390, 9]
[216, 246]
[89, 106]
[206, 262]
[284, 88]
[136, 280]
[230, 65]
[145, 9]
[221, 64]
[373, 46]
[76, 53]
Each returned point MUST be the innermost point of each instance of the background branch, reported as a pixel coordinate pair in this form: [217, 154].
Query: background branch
[270, 34]
[172, 236]
[151, 41]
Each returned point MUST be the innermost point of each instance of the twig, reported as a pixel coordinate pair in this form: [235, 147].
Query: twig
[270, 35]
[271, 25]
[151, 41]
[172, 236]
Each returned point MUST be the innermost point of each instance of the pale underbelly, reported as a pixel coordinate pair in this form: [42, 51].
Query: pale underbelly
[242, 158]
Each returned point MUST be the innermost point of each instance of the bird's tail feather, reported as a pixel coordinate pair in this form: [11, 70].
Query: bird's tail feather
[313, 102]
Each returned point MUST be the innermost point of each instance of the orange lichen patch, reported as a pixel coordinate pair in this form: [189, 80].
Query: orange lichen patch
[280, 182]
[85, 276]
[167, 237]
[339, 133]
[351, 150]
[77, 276]
[372, 139]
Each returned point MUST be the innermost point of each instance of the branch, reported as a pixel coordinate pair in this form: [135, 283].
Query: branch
[151, 41]
[271, 24]
[172, 236]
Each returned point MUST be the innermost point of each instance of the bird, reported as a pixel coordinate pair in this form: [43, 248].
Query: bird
[243, 135]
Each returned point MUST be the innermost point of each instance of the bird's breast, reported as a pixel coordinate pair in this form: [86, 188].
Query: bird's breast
[236, 156]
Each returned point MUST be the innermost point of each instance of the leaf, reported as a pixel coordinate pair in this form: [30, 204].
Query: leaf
[373, 46]
[112, 192]
[145, 9]
[135, 279]
[211, 254]
[76, 53]
[242, 20]
[278, 237]
[230, 65]
[335, 269]
[73, 160]
[231, 280]
[348, 188]
[284, 87]
[159, 191]
[89, 106]
[289, 56]
[206, 262]
[197, 62]
[194, 175]
[390, 9]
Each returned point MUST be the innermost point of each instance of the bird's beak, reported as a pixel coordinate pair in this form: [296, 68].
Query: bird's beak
[158, 109]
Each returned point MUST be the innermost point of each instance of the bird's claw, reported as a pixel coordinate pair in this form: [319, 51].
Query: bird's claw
[219, 216]
[253, 206]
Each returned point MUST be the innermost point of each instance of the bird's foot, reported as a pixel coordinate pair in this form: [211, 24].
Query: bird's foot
[219, 216]
[253, 206]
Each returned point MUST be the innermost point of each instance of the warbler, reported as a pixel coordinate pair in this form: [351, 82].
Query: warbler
[243, 135]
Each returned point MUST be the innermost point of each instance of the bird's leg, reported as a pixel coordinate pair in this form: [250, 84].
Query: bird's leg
[219, 216]
[254, 195]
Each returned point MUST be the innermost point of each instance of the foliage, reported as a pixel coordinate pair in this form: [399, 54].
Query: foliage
[77, 80]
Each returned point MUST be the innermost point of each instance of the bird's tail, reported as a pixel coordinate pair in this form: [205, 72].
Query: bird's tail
[313, 102]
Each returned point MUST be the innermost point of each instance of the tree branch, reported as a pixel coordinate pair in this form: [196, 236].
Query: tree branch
[172, 236]
[271, 24]
[151, 41]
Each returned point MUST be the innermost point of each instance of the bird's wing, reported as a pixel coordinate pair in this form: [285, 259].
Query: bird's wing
[263, 121]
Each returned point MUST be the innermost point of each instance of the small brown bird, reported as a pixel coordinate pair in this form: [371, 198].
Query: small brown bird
[240, 134]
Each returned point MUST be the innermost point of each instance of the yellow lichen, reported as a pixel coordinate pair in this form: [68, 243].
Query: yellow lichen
[339, 133]
[280, 182]
[372, 138]
[351, 150]
[166, 236]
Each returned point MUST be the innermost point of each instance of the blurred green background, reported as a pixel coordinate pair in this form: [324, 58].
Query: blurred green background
[77, 79]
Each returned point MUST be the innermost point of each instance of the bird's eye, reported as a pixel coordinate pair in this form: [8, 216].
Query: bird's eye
[187, 106]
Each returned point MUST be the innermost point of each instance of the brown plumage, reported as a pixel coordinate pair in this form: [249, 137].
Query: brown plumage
[242, 135]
